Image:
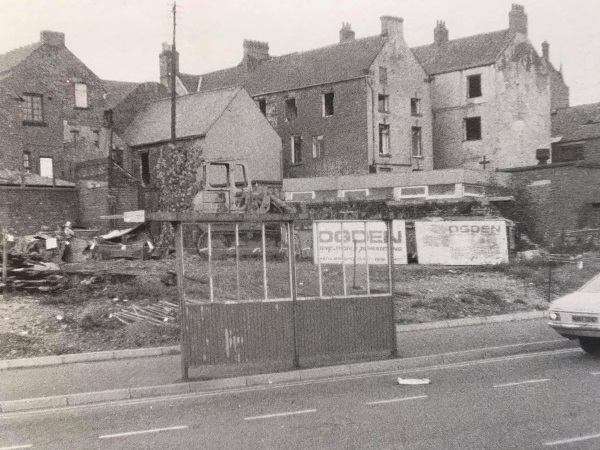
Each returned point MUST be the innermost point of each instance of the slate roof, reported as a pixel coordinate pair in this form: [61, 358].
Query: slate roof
[196, 113]
[338, 62]
[117, 91]
[190, 82]
[464, 53]
[13, 58]
[577, 122]
[13, 178]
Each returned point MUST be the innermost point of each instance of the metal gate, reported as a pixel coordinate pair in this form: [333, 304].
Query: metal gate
[270, 307]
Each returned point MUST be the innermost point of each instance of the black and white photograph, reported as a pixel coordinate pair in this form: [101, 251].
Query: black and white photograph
[317, 224]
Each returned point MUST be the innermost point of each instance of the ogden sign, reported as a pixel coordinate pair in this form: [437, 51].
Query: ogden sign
[462, 243]
[337, 241]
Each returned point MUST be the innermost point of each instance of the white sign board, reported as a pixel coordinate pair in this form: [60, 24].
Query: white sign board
[134, 216]
[476, 242]
[337, 241]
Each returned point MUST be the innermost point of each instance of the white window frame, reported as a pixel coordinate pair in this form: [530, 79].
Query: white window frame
[81, 95]
[419, 153]
[398, 192]
[342, 192]
[317, 147]
[453, 195]
[465, 194]
[385, 150]
[289, 196]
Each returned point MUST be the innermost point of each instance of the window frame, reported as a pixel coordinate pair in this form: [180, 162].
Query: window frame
[317, 144]
[296, 153]
[386, 127]
[27, 162]
[478, 88]
[466, 129]
[419, 130]
[290, 110]
[415, 106]
[342, 192]
[327, 112]
[145, 177]
[29, 110]
[383, 103]
[81, 96]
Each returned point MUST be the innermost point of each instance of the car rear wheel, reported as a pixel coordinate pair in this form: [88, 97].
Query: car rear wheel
[590, 345]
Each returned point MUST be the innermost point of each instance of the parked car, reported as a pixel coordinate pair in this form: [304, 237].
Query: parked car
[577, 316]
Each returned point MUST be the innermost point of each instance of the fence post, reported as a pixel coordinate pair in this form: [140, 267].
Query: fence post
[390, 230]
[293, 292]
[183, 335]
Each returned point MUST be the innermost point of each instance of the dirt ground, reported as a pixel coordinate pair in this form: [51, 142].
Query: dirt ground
[81, 317]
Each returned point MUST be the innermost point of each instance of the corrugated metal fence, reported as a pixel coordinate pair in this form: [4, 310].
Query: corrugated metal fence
[264, 331]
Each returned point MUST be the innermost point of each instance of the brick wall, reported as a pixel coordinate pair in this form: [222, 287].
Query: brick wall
[25, 210]
[11, 141]
[94, 202]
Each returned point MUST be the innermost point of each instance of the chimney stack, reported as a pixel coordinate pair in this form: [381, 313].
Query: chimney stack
[54, 38]
[392, 26]
[440, 33]
[546, 50]
[254, 53]
[165, 64]
[346, 33]
[517, 19]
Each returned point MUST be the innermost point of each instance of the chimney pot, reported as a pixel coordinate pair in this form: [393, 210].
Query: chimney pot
[346, 33]
[542, 155]
[54, 38]
[440, 33]
[392, 26]
[517, 19]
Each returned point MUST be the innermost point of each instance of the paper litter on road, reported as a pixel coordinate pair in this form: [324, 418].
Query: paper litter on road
[414, 380]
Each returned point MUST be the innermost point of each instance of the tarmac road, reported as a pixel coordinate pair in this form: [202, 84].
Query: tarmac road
[529, 401]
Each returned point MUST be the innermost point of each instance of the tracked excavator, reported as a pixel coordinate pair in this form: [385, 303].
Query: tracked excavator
[225, 187]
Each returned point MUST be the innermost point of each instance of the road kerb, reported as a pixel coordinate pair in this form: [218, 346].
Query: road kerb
[399, 364]
[470, 321]
[97, 397]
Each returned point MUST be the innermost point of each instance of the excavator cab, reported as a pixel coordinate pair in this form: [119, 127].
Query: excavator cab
[223, 187]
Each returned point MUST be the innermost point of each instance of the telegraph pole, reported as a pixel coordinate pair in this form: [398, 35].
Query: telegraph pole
[173, 79]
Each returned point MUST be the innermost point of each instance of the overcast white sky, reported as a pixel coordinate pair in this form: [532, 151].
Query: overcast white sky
[121, 39]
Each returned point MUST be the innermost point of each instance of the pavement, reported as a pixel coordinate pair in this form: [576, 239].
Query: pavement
[61, 381]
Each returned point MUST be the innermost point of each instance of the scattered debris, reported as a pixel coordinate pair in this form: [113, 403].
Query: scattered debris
[158, 314]
[413, 381]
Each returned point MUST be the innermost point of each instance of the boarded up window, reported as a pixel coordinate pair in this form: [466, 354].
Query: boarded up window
[81, 99]
[46, 167]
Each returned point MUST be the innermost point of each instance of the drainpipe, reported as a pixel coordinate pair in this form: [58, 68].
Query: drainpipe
[374, 141]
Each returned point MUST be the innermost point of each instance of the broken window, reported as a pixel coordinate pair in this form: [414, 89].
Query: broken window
[328, 104]
[291, 111]
[32, 110]
[81, 99]
[262, 105]
[384, 105]
[417, 150]
[384, 139]
[296, 149]
[317, 146]
[415, 106]
[474, 86]
[145, 168]
[383, 75]
[27, 162]
[473, 128]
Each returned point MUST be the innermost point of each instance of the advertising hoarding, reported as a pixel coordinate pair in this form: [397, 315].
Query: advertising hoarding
[472, 242]
[337, 241]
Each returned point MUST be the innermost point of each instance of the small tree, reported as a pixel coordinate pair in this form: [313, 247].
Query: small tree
[176, 171]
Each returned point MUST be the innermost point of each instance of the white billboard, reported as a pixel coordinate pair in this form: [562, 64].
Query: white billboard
[341, 240]
[475, 242]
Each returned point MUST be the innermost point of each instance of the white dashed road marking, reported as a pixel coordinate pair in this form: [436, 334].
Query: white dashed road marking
[133, 433]
[577, 439]
[291, 413]
[394, 400]
[518, 383]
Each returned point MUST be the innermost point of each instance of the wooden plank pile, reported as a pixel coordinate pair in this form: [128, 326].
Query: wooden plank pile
[27, 273]
[160, 313]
